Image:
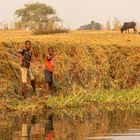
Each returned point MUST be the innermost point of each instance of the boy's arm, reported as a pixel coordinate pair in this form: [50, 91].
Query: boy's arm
[50, 57]
[19, 54]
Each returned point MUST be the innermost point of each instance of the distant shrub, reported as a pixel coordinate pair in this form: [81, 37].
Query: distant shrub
[50, 28]
[35, 32]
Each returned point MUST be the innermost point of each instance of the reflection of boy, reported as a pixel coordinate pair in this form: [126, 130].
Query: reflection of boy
[49, 133]
[26, 128]
[26, 131]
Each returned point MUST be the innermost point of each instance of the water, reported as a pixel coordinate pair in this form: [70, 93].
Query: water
[89, 123]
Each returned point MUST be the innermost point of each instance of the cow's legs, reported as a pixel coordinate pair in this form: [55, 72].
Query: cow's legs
[135, 30]
[127, 31]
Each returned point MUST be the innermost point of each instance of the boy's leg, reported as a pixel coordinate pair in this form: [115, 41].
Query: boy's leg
[51, 83]
[24, 90]
[24, 81]
[47, 88]
[51, 88]
[33, 82]
[47, 81]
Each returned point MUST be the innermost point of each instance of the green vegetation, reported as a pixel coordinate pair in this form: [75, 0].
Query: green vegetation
[83, 98]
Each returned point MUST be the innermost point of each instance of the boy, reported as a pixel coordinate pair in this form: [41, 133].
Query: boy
[49, 68]
[26, 55]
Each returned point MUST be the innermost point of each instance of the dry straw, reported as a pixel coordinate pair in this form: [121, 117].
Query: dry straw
[90, 60]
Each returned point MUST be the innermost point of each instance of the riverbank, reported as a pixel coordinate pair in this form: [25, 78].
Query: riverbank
[91, 67]
[81, 99]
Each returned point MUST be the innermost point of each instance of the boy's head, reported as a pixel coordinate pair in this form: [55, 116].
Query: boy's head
[50, 50]
[28, 44]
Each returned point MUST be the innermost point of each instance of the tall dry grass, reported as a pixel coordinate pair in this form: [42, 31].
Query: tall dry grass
[87, 59]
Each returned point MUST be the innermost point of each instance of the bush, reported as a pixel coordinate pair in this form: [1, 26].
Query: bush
[50, 28]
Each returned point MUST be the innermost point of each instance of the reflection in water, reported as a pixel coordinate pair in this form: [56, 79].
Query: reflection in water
[49, 133]
[115, 138]
[79, 124]
[35, 130]
[27, 129]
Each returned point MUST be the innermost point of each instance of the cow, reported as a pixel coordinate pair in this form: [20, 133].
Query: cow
[128, 25]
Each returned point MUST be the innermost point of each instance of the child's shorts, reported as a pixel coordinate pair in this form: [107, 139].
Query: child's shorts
[48, 76]
[25, 72]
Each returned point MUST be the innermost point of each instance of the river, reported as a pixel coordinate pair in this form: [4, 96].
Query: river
[88, 123]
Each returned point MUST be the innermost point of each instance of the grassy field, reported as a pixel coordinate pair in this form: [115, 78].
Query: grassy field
[87, 61]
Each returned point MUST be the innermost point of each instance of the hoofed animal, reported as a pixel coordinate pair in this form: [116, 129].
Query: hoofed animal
[128, 25]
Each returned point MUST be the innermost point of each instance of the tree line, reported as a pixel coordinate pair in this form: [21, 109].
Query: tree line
[99, 26]
[43, 19]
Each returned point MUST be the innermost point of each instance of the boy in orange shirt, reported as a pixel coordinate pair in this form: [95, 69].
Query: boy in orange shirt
[49, 69]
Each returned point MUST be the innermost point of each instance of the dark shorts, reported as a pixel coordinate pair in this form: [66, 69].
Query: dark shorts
[48, 76]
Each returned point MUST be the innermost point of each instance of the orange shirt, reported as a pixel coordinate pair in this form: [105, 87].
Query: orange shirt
[49, 65]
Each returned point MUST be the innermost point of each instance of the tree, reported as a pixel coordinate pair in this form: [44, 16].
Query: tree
[108, 25]
[116, 24]
[36, 15]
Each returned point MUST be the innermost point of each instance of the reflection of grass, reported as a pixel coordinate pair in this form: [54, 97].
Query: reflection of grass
[109, 98]
[79, 111]
[86, 117]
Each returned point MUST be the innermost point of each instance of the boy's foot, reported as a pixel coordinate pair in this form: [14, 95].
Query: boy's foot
[48, 96]
[34, 97]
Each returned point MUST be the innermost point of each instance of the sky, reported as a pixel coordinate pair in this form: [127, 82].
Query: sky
[75, 13]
